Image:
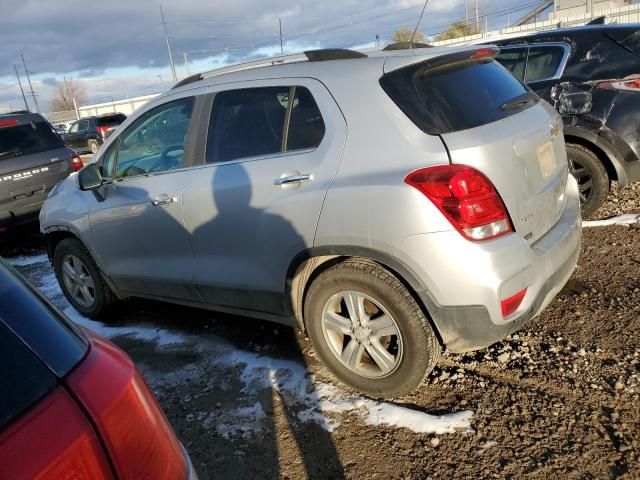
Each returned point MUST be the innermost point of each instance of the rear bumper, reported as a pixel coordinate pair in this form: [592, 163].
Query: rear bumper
[472, 278]
[23, 215]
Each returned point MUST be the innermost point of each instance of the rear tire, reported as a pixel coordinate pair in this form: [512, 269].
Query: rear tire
[593, 179]
[393, 328]
[93, 146]
[80, 279]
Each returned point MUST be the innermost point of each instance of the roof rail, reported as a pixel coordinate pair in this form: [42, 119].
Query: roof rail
[406, 46]
[310, 55]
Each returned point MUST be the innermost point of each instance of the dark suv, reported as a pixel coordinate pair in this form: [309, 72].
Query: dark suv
[33, 159]
[87, 134]
[591, 75]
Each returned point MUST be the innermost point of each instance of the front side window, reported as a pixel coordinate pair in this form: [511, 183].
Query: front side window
[155, 142]
[109, 160]
[74, 128]
[543, 62]
[514, 60]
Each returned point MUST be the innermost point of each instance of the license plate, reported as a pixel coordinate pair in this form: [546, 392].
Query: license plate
[546, 159]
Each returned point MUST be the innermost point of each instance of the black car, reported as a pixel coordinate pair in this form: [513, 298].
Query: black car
[33, 159]
[591, 75]
[87, 134]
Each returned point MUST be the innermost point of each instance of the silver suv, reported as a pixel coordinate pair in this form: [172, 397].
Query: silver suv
[391, 205]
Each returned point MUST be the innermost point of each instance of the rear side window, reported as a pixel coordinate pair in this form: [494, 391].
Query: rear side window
[633, 43]
[27, 139]
[456, 96]
[514, 60]
[544, 62]
[251, 122]
[24, 378]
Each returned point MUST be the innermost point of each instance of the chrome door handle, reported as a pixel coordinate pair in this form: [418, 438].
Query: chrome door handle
[164, 200]
[304, 177]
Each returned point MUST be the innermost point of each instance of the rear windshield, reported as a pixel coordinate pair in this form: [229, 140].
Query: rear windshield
[457, 96]
[24, 378]
[111, 120]
[27, 139]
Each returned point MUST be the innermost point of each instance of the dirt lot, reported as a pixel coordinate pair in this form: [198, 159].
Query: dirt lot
[558, 399]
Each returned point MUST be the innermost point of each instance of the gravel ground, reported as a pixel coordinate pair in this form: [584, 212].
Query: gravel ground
[558, 399]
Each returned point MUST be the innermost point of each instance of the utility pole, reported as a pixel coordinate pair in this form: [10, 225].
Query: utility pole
[477, 17]
[281, 41]
[33, 94]
[166, 38]
[466, 13]
[26, 105]
[186, 62]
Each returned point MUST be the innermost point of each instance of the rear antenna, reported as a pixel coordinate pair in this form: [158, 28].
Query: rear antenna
[415, 30]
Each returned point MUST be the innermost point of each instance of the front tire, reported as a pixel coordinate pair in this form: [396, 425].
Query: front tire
[80, 279]
[591, 175]
[368, 329]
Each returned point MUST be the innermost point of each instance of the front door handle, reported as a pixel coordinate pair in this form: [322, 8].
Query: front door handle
[303, 177]
[164, 200]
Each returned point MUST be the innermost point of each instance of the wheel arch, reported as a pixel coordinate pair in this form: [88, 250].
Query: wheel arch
[307, 265]
[602, 149]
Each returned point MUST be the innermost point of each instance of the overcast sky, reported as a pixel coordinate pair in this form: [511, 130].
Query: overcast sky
[117, 47]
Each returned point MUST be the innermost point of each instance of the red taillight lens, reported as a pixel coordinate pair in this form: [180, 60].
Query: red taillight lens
[76, 163]
[630, 84]
[127, 416]
[466, 197]
[485, 53]
[8, 123]
[512, 303]
[102, 131]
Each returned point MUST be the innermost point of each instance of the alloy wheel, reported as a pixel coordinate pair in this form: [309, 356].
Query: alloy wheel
[583, 177]
[78, 281]
[362, 334]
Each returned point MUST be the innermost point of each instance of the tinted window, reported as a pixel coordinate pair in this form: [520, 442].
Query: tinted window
[247, 123]
[24, 378]
[514, 60]
[34, 137]
[111, 120]
[306, 127]
[633, 42]
[456, 96]
[155, 141]
[84, 125]
[543, 62]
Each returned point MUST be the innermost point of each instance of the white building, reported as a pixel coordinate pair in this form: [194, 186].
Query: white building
[572, 8]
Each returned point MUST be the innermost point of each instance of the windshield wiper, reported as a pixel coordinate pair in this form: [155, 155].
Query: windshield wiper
[11, 153]
[517, 102]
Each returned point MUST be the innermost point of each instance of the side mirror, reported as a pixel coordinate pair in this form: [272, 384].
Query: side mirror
[90, 178]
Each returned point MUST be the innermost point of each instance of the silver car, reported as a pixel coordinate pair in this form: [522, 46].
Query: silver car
[391, 205]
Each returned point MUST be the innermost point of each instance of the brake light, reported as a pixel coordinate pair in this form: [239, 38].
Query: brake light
[466, 198]
[512, 303]
[76, 163]
[8, 123]
[485, 53]
[630, 84]
[102, 131]
[137, 435]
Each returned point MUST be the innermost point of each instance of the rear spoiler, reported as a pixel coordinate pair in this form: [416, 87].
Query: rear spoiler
[461, 55]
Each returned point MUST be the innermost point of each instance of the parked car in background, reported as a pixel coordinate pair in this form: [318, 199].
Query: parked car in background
[436, 222]
[73, 405]
[33, 159]
[591, 75]
[87, 134]
[62, 126]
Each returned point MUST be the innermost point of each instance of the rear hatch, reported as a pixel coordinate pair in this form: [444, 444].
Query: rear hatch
[33, 159]
[108, 123]
[490, 121]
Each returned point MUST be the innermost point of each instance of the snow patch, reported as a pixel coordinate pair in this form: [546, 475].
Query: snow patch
[626, 220]
[26, 261]
[160, 336]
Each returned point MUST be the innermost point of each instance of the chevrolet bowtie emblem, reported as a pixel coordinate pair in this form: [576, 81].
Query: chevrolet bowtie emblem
[555, 129]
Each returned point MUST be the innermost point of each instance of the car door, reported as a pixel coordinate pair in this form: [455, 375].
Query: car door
[272, 150]
[136, 218]
[71, 137]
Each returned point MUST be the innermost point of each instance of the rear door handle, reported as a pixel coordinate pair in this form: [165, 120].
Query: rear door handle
[303, 177]
[164, 200]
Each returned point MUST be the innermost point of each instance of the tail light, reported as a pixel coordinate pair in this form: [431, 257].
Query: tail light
[53, 441]
[511, 304]
[467, 199]
[102, 131]
[629, 84]
[127, 416]
[8, 123]
[76, 163]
